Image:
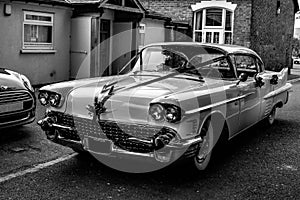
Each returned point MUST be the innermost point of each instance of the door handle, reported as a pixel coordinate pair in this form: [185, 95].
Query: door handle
[82, 52]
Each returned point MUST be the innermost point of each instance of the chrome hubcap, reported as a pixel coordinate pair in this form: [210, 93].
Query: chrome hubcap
[204, 150]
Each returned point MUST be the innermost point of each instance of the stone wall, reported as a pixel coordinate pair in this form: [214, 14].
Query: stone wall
[272, 32]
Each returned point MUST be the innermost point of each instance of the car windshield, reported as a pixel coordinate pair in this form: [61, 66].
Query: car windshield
[187, 59]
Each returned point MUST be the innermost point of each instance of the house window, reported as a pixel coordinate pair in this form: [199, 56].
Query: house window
[214, 25]
[213, 22]
[213, 17]
[37, 30]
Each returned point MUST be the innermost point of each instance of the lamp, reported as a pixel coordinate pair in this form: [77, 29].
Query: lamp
[278, 8]
[7, 9]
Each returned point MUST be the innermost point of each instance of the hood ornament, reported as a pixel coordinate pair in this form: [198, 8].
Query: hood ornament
[98, 108]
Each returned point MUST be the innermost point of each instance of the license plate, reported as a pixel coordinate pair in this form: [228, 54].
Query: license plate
[11, 107]
[99, 146]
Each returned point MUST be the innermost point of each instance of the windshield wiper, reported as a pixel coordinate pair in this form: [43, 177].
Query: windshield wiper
[185, 70]
[136, 72]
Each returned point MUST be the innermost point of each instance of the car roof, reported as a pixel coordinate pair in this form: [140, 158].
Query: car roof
[226, 48]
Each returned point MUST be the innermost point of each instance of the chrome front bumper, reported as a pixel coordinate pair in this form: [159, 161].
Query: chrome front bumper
[168, 153]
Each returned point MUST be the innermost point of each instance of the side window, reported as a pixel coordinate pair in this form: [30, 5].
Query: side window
[157, 59]
[246, 64]
[219, 69]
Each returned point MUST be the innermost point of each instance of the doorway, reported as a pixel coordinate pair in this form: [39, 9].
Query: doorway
[100, 47]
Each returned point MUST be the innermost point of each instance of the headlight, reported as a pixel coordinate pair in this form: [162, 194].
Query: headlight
[54, 99]
[157, 112]
[51, 98]
[43, 98]
[173, 114]
[170, 113]
[26, 82]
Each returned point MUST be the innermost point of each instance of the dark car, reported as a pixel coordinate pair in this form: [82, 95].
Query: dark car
[296, 61]
[17, 99]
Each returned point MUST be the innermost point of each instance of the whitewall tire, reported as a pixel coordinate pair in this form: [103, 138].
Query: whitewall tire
[204, 154]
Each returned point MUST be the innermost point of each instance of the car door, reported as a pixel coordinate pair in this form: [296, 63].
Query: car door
[249, 91]
[266, 88]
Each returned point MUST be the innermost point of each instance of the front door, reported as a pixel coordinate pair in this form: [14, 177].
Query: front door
[105, 47]
[100, 47]
[122, 44]
[80, 47]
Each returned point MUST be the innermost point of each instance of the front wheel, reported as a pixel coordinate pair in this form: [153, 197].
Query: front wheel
[204, 154]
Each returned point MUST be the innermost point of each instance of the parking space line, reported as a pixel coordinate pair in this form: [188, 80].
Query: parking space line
[37, 168]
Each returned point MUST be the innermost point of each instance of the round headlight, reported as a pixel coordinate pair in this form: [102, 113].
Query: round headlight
[54, 100]
[173, 114]
[157, 112]
[43, 98]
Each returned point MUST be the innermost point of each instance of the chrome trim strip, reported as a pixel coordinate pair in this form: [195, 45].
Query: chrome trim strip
[285, 88]
[68, 140]
[140, 140]
[185, 143]
[62, 127]
[150, 155]
[217, 104]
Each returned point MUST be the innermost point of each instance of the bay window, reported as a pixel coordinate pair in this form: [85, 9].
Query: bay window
[213, 22]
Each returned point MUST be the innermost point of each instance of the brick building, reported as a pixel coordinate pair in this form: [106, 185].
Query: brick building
[265, 26]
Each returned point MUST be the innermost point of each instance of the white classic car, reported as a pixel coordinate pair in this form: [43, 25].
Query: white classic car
[176, 100]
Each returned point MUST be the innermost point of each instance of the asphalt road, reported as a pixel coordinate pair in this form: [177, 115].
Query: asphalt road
[25, 146]
[261, 163]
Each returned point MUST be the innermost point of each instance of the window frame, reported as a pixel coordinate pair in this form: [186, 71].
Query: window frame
[200, 34]
[38, 45]
[254, 58]
[204, 17]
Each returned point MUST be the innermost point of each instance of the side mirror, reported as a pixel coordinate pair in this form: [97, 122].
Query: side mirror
[258, 80]
[242, 78]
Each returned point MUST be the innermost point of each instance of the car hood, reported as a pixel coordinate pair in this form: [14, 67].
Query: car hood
[10, 80]
[131, 94]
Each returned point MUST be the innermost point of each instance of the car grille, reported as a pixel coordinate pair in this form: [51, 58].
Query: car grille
[9, 97]
[14, 96]
[14, 118]
[117, 132]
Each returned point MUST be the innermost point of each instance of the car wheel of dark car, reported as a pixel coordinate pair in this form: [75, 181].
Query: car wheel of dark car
[203, 156]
